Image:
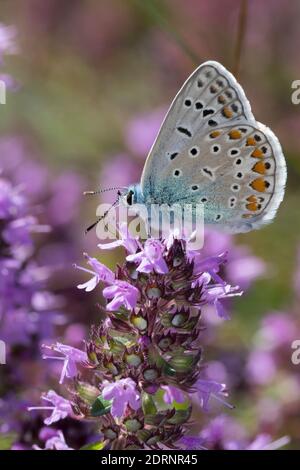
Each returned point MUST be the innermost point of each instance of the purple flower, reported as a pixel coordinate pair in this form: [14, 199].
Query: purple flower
[130, 244]
[61, 407]
[55, 443]
[243, 268]
[209, 388]
[111, 175]
[150, 258]
[121, 293]
[7, 40]
[71, 356]
[63, 205]
[278, 330]
[141, 132]
[122, 393]
[18, 232]
[11, 201]
[264, 442]
[100, 273]
[261, 367]
[224, 433]
[172, 394]
[214, 293]
[192, 443]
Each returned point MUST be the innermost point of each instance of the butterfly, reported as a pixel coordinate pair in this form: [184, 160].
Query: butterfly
[211, 150]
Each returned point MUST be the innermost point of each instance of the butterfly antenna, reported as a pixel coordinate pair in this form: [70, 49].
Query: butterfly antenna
[100, 191]
[104, 215]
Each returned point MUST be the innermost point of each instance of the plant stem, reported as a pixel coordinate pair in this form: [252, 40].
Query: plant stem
[241, 32]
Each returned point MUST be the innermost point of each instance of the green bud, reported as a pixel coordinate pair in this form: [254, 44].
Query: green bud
[154, 293]
[150, 375]
[164, 343]
[179, 319]
[133, 360]
[110, 434]
[148, 404]
[182, 363]
[87, 392]
[180, 417]
[132, 425]
[140, 323]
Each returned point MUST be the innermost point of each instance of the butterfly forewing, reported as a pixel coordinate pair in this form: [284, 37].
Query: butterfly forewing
[210, 149]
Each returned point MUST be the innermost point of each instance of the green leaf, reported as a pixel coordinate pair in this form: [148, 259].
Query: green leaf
[148, 404]
[94, 446]
[100, 406]
[7, 440]
[180, 416]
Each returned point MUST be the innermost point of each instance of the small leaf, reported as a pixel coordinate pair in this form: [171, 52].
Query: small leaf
[180, 416]
[100, 406]
[94, 446]
[148, 404]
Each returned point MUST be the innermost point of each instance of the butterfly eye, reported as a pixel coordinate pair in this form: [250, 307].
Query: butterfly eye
[129, 198]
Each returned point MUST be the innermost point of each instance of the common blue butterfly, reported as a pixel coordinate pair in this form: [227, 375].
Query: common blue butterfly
[210, 149]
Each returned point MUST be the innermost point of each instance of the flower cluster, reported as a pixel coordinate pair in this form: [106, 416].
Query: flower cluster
[143, 367]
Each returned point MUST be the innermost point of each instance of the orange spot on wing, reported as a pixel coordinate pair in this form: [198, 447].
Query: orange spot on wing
[259, 185]
[259, 167]
[235, 134]
[250, 141]
[214, 134]
[252, 198]
[252, 206]
[222, 99]
[227, 113]
[257, 153]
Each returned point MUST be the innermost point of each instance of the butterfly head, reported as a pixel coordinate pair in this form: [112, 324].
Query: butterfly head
[132, 195]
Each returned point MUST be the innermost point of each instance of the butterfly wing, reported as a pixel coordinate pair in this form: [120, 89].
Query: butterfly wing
[210, 149]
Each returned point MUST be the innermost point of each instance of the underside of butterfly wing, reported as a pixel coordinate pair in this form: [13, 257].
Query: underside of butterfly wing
[211, 150]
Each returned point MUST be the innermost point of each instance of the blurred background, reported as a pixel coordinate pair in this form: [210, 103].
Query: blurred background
[90, 82]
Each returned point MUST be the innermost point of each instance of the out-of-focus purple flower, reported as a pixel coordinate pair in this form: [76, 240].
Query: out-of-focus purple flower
[264, 442]
[278, 329]
[243, 267]
[70, 356]
[150, 258]
[10, 82]
[172, 394]
[223, 432]
[75, 334]
[46, 433]
[66, 193]
[55, 443]
[141, 132]
[261, 367]
[122, 393]
[130, 244]
[61, 407]
[192, 443]
[209, 388]
[11, 200]
[111, 176]
[8, 44]
[100, 273]
[121, 293]
[18, 232]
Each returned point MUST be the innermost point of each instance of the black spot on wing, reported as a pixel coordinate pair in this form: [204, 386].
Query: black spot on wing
[184, 130]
